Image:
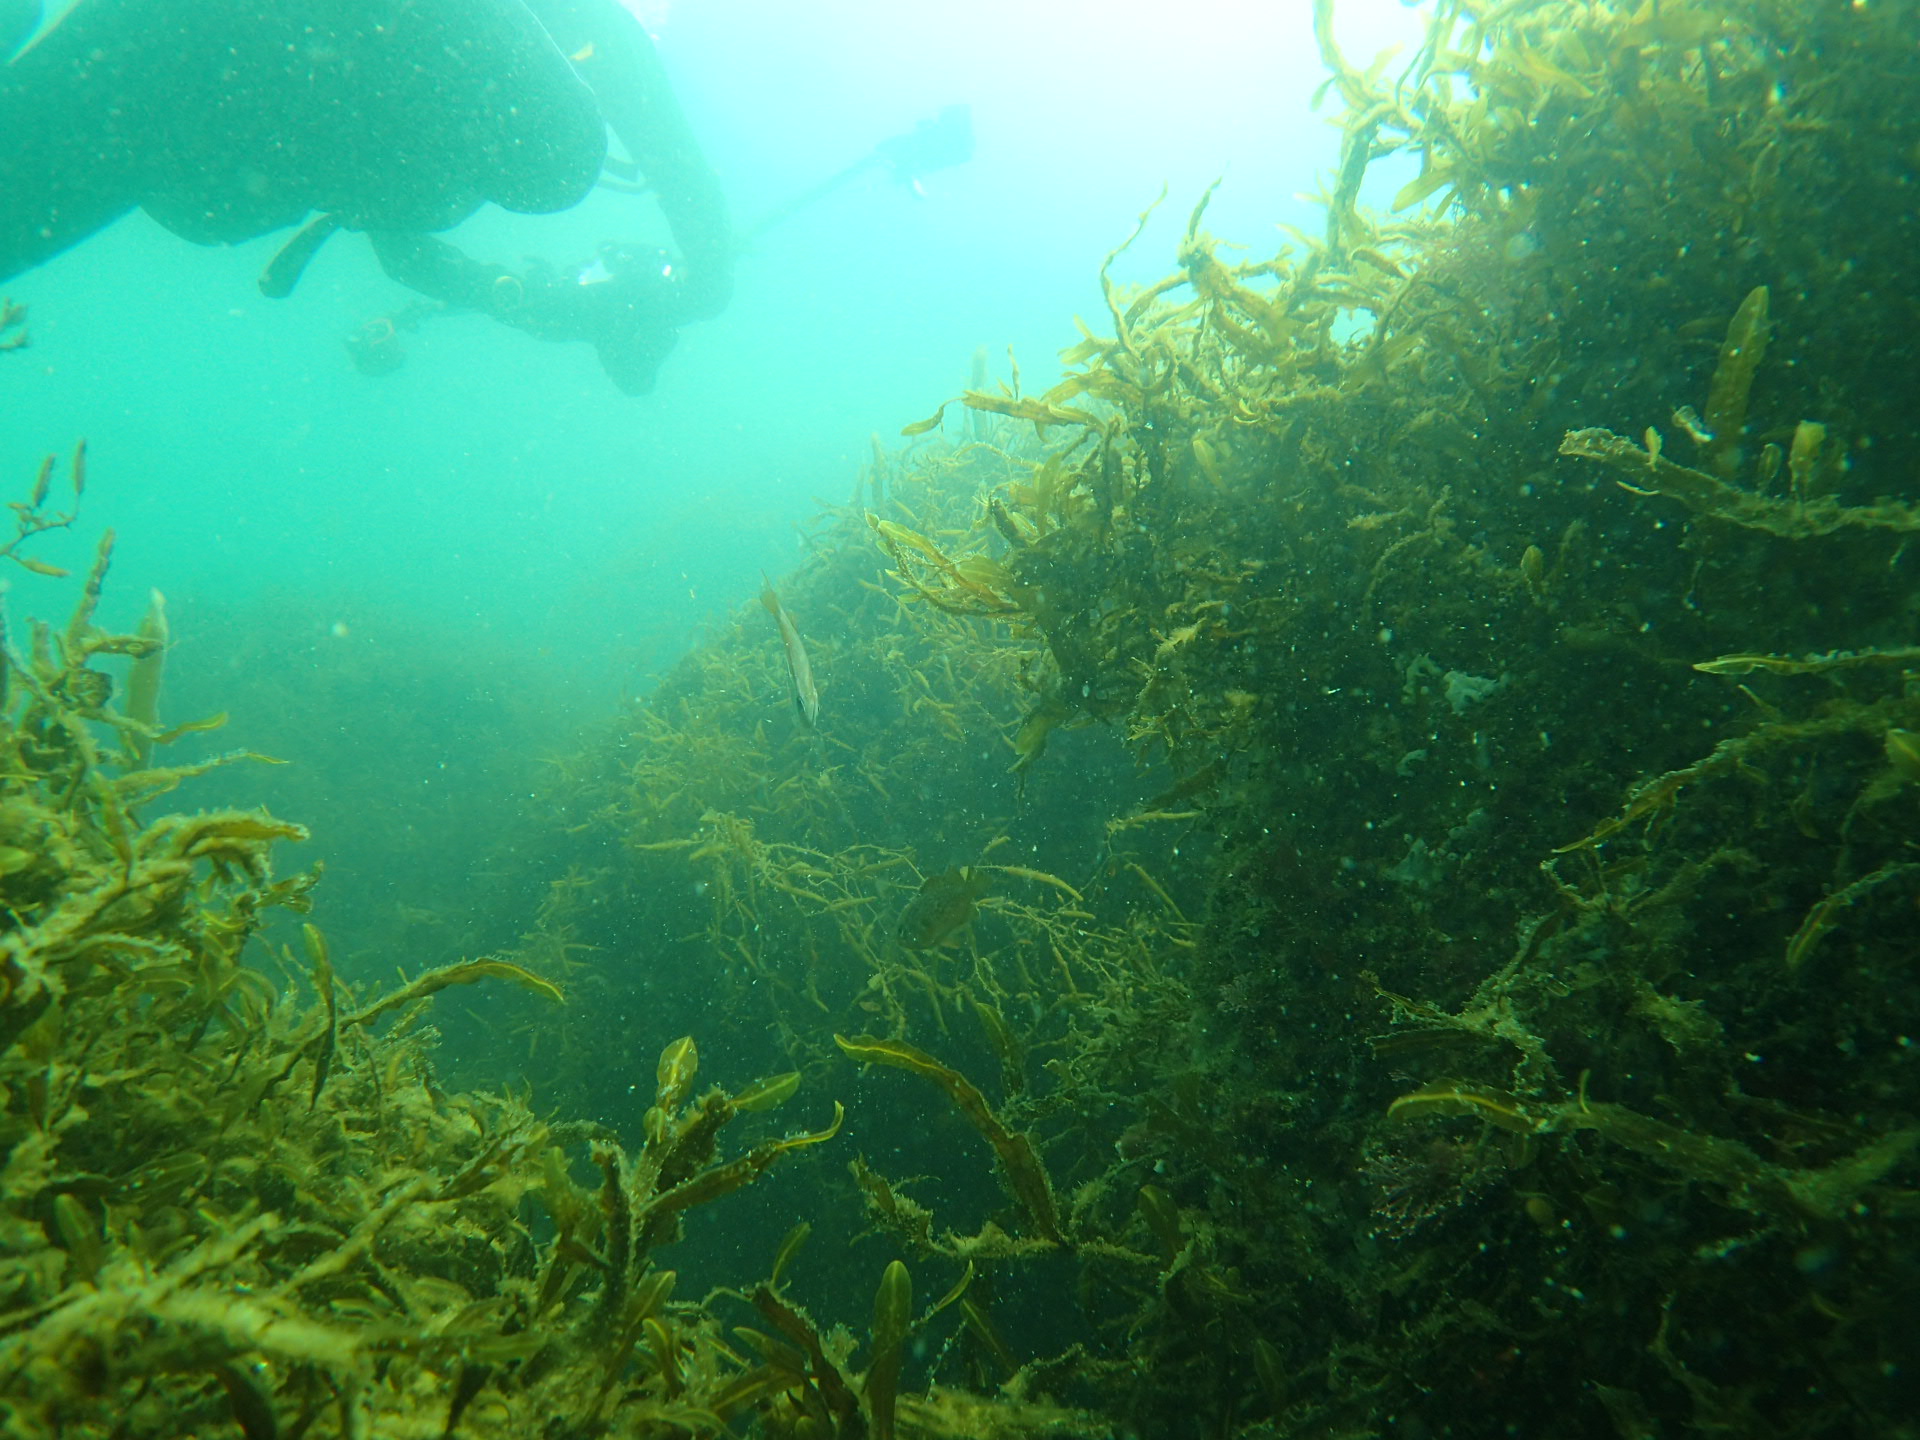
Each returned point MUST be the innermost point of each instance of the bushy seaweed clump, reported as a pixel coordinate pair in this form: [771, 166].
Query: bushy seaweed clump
[231, 1205]
[1485, 1001]
[1402, 769]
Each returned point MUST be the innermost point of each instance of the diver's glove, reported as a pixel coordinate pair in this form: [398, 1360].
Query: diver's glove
[704, 287]
[632, 357]
[627, 301]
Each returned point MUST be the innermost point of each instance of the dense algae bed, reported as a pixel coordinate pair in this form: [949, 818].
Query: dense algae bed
[1430, 726]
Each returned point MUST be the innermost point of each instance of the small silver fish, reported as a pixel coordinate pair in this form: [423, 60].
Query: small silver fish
[806, 698]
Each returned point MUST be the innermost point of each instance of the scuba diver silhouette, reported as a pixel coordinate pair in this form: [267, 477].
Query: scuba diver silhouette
[939, 143]
[228, 119]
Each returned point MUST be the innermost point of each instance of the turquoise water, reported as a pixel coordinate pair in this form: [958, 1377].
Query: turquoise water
[412, 584]
[499, 485]
[1420, 754]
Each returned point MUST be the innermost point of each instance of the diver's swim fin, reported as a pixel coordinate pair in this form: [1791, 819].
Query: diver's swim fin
[283, 272]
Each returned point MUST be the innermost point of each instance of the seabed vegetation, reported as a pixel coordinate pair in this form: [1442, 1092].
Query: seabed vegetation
[1355, 874]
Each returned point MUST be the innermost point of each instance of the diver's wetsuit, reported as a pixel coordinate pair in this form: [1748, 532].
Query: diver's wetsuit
[617, 60]
[633, 312]
[227, 119]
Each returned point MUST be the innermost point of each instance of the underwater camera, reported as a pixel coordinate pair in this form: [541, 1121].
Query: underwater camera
[635, 265]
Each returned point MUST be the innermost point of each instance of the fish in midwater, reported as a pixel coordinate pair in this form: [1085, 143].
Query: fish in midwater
[806, 698]
[944, 905]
